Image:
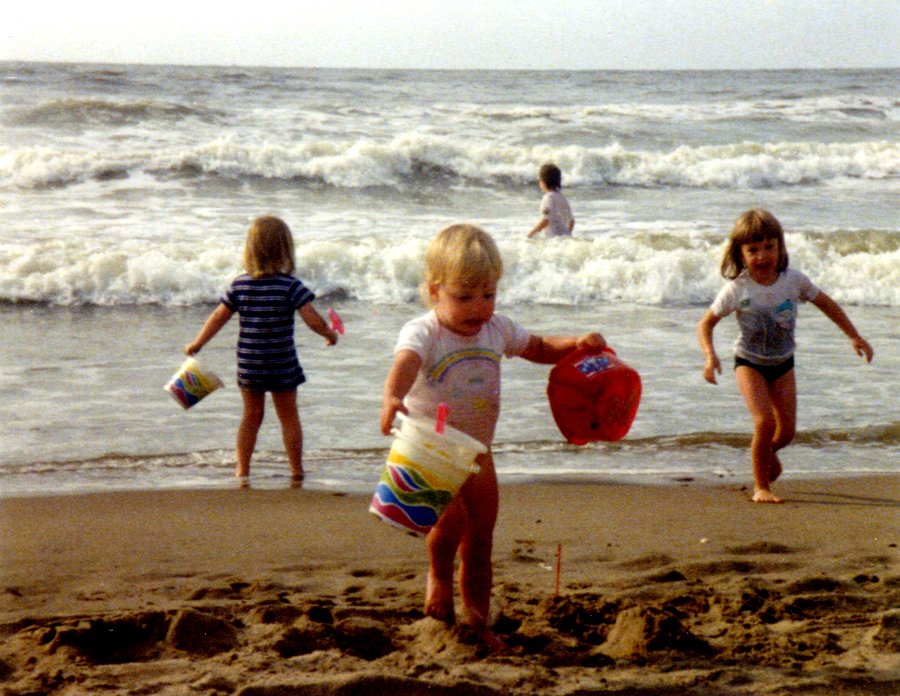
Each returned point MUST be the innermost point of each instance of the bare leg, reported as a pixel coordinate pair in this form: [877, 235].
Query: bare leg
[466, 526]
[291, 431]
[254, 409]
[481, 499]
[783, 392]
[443, 542]
[762, 456]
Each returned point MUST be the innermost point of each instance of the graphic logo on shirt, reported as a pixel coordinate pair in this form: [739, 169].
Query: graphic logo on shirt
[784, 315]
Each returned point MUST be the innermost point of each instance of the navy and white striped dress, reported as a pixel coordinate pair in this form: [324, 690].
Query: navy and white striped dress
[266, 354]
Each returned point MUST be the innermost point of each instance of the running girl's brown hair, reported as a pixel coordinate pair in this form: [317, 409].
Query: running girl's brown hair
[755, 225]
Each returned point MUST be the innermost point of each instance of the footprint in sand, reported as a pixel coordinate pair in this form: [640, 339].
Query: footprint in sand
[524, 552]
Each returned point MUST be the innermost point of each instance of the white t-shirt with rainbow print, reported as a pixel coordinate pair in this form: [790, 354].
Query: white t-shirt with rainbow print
[461, 371]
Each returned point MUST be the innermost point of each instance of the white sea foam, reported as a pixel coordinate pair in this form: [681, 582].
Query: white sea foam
[142, 197]
[420, 158]
[641, 267]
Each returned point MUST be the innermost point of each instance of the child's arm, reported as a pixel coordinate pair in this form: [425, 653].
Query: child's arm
[314, 321]
[549, 350]
[538, 227]
[399, 381]
[705, 334]
[833, 311]
[216, 321]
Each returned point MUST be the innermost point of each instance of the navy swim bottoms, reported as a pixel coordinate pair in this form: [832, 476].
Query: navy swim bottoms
[769, 372]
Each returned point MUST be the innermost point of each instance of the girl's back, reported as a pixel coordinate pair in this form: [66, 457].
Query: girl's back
[265, 353]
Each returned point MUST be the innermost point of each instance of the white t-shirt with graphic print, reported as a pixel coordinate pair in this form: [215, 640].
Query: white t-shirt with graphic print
[461, 371]
[766, 314]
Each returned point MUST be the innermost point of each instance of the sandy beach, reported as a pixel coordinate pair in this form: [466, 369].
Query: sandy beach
[687, 589]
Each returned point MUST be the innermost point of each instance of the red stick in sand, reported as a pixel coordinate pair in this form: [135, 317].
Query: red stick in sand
[336, 323]
[558, 568]
[442, 412]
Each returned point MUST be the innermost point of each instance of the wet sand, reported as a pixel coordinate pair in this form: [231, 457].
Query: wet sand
[687, 589]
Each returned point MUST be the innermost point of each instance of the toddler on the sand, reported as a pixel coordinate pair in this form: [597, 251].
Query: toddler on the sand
[452, 355]
[266, 297]
[765, 294]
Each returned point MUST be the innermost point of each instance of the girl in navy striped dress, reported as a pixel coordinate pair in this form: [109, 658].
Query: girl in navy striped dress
[266, 297]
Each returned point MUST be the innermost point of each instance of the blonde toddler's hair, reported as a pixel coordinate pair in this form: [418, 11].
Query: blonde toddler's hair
[269, 248]
[462, 255]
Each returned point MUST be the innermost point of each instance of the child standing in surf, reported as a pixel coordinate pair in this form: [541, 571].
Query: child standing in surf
[556, 215]
[266, 297]
[452, 355]
[765, 293]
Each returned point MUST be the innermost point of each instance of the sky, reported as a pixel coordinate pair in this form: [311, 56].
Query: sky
[460, 34]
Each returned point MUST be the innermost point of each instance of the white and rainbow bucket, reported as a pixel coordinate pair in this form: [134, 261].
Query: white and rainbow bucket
[192, 382]
[424, 471]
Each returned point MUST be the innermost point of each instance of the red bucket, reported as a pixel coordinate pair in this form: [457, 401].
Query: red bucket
[593, 396]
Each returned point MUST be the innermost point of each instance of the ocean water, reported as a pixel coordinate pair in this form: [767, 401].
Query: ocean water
[126, 192]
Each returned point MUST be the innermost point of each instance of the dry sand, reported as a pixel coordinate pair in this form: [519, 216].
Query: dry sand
[688, 589]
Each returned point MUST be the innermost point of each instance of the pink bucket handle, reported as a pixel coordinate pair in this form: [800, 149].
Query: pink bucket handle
[336, 323]
[442, 412]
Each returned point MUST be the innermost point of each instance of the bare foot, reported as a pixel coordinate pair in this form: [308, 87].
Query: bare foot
[477, 627]
[297, 480]
[441, 613]
[439, 601]
[766, 496]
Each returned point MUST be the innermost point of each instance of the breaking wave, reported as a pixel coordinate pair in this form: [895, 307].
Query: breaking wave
[416, 158]
[861, 267]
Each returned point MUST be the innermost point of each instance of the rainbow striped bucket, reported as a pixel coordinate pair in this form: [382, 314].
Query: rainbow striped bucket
[192, 382]
[424, 470]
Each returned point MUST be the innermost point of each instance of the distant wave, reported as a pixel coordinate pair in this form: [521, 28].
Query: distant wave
[85, 113]
[414, 159]
[827, 110]
[821, 110]
[652, 268]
